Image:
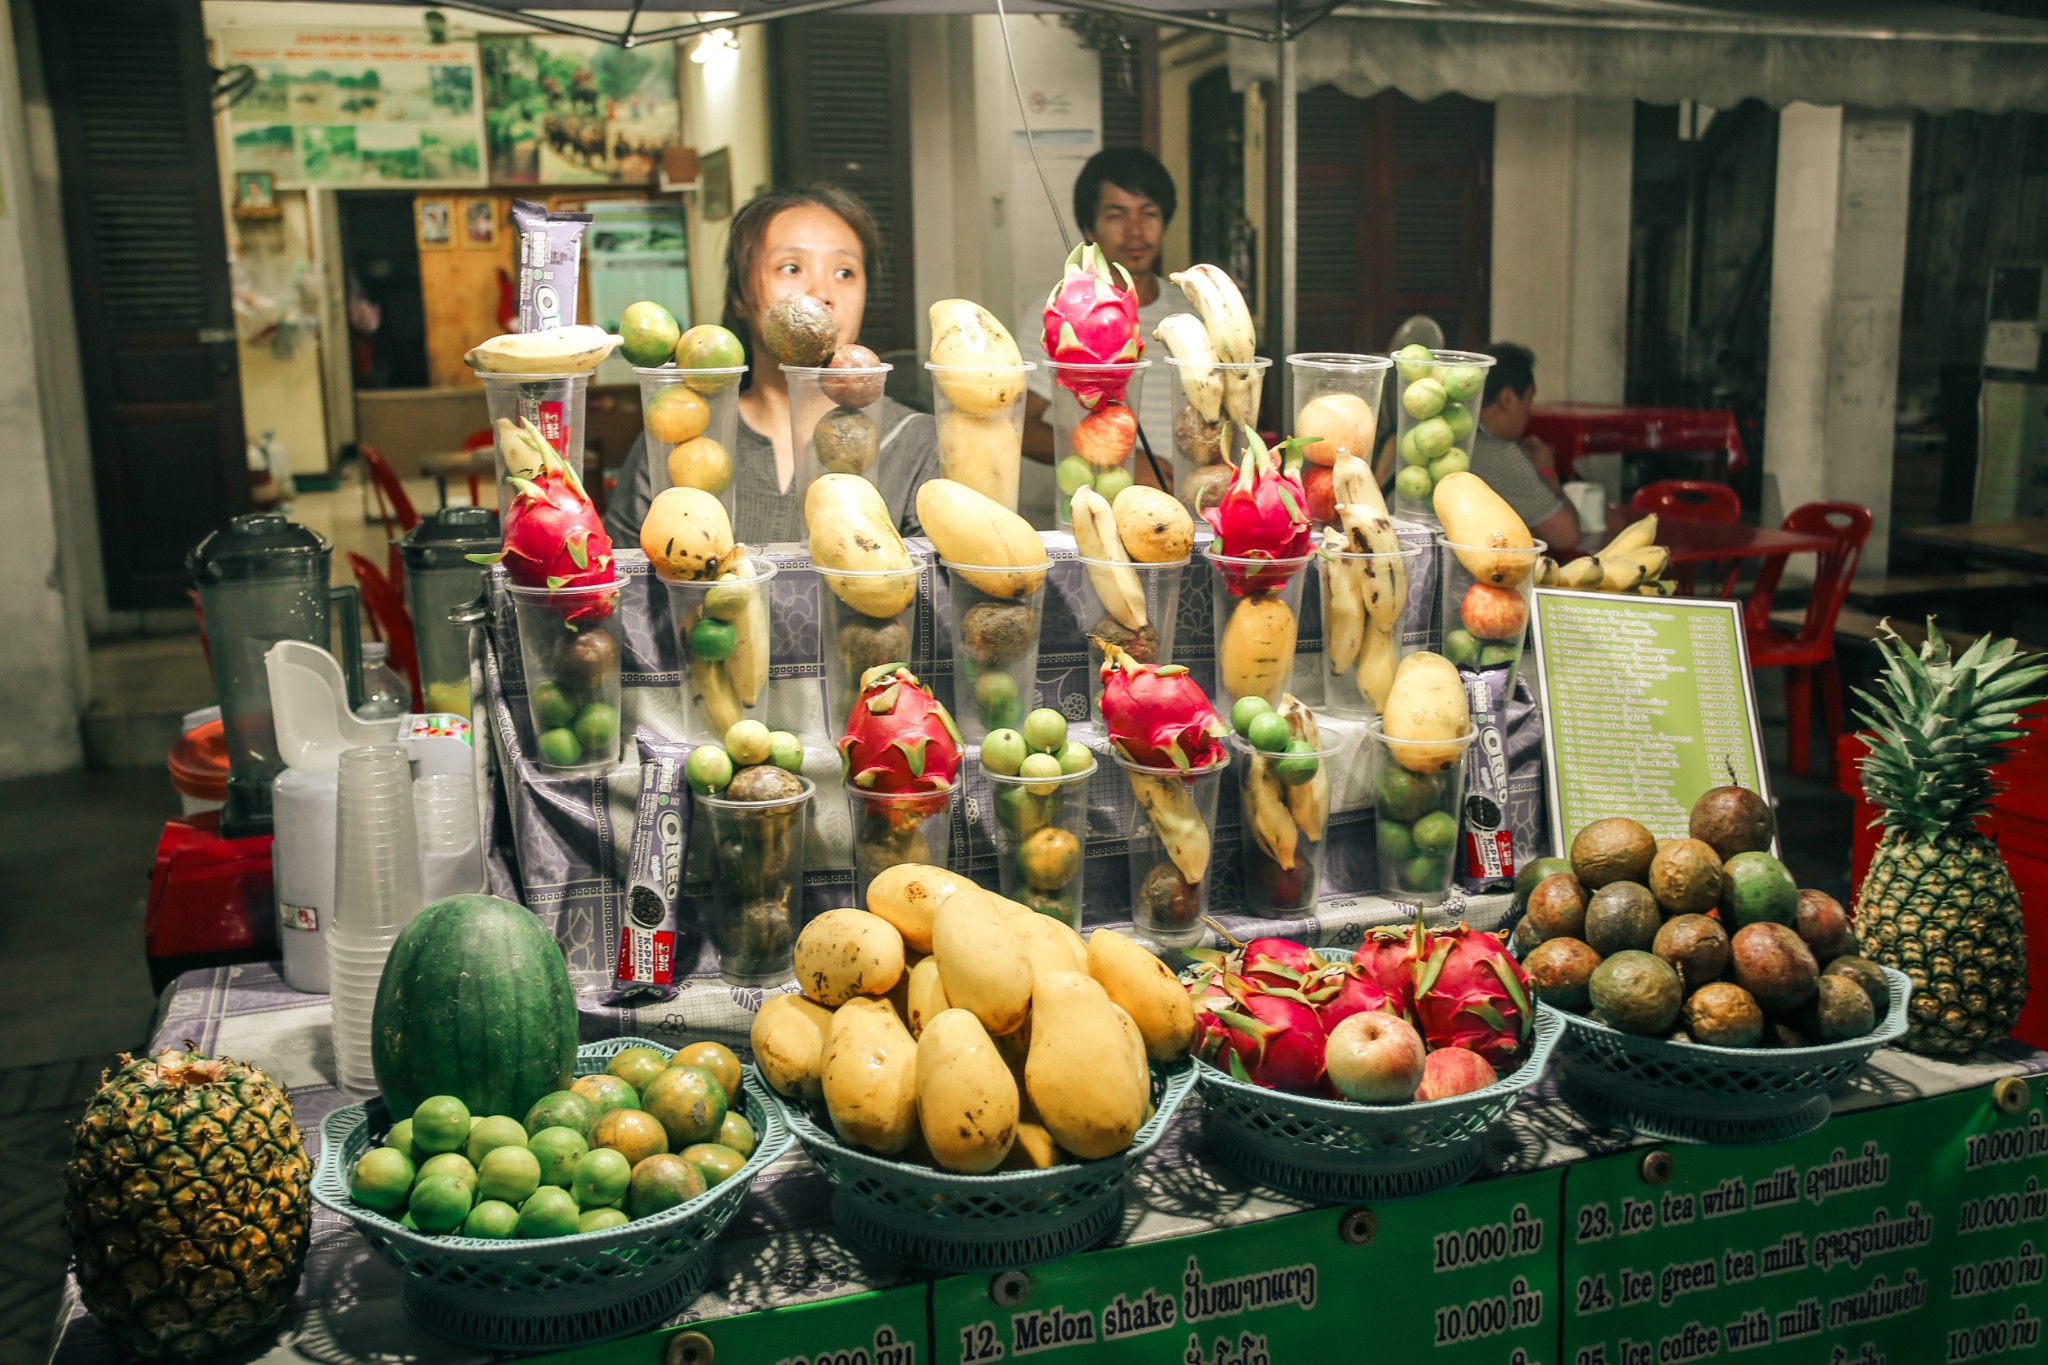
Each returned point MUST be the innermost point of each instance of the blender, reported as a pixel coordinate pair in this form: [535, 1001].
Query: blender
[440, 577]
[263, 579]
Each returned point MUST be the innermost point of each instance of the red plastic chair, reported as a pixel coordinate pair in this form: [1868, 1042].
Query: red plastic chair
[1809, 652]
[389, 621]
[480, 439]
[394, 508]
[1714, 504]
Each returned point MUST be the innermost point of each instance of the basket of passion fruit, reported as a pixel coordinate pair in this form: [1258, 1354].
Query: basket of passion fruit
[1706, 997]
[589, 1217]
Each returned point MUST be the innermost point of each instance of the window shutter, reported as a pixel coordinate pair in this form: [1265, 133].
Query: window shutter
[1329, 206]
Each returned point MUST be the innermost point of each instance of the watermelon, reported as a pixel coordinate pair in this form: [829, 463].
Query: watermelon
[475, 1002]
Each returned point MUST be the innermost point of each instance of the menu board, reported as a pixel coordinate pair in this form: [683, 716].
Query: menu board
[1646, 704]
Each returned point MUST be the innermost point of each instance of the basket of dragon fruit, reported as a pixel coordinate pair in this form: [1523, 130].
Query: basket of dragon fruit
[1376, 1077]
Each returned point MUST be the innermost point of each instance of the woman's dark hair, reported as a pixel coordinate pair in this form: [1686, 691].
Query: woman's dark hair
[1132, 170]
[1513, 370]
[750, 230]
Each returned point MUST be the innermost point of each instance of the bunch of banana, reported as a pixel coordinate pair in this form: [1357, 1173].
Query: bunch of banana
[1632, 562]
[1308, 802]
[1104, 557]
[1366, 595]
[1229, 324]
[1177, 822]
[556, 350]
[1187, 341]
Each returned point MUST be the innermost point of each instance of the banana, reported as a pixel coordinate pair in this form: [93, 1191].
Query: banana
[1095, 535]
[1343, 603]
[1229, 323]
[748, 665]
[1546, 572]
[1352, 485]
[1266, 812]
[521, 449]
[1187, 341]
[557, 350]
[1377, 659]
[1637, 535]
[1308, 802]
[1584, 573]
[1626, 572]
[711, 691]
[1177, 823]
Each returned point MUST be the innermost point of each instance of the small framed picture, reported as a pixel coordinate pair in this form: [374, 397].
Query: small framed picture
[436, 227]
[255, 195]
[479, 224]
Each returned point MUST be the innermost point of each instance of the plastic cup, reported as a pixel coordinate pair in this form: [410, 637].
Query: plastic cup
[757, 882]
[1256, 606]
[853, 639]
[355, 967]
[995, 643]
[1148, 643]
[1436, 416]
[1093, 446]
[831, 426]
[1041, 838]
[980, 412]
[1284, 801]
[1337, 402]
[1486, 615]
[1418, 793]
[1171, 845]
[377, 888]
[569, 642]
[1206, 434]
[692, 421]
[722, 635]
[1361, 648]
[451, 853]
[553, 403]
[898, 827]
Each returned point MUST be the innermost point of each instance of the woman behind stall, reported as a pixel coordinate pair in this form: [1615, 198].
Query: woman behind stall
[815, 239]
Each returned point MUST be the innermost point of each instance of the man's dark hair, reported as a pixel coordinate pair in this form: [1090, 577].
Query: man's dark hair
[750, 230]
[1132, 170]
[1513, 370]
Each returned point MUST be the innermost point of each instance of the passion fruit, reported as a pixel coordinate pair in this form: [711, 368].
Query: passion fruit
[1824, 924]
[1773, 963]
[1636, 992]
[1722, 1014]
[1685, 876]
[1696, 945]
[1838, 1010]
[1622, 916]
[1616, 849]
[1866, 974]
[1557, 907]
[1732, 820]
[1560, 970]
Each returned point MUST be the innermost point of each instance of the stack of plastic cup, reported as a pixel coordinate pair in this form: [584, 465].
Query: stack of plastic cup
[377, 891]
[451, 855]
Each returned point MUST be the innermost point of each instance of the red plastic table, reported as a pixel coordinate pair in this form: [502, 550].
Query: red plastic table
[1575, 429]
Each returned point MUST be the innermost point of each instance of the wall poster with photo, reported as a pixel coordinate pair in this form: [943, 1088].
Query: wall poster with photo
[436, 230]
[564, 111]
[480, 224]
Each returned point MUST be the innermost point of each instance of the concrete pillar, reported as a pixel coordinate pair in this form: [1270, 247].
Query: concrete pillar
[1562, 175]
[1838, 263]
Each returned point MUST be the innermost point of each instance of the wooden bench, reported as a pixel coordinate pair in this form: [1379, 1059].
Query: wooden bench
[1903, 592]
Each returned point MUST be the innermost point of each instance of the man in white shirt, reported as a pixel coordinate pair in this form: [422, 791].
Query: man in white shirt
[1123, 200]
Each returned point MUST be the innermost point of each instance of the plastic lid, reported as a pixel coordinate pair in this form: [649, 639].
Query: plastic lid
[442, 540]
[199, 763]
[258, 545]
[375, 651]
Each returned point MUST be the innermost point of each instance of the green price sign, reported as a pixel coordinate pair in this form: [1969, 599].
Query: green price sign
[1911, 1235]
[1469, 1274]
[1646, 704]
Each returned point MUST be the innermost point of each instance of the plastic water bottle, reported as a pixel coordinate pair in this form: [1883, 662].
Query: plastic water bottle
[385, 694]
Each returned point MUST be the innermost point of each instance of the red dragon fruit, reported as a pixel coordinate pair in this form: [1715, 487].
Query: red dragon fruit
[555, 539]
[899, 738]
[1345, 989]
[1271, 1039]
[1388, 961]
[1471, 993]
[1263, 515]
[1157, 715]
[1282, 963]
[1091, 318]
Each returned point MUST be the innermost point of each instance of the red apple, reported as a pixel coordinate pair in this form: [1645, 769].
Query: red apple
[1105, 436]
[1494, 613]
[1454, 1071]
[1375, 1058]
[1319, 482]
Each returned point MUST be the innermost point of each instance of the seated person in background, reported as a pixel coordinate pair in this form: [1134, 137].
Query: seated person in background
[1501, 454]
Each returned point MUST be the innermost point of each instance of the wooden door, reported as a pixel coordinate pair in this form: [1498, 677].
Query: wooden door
[130, 91]
[843, 115]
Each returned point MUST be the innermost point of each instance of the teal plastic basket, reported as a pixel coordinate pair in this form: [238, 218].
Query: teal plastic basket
[954, 1223]
[1724, 1096]
[1338, 1151]
[549, 1293]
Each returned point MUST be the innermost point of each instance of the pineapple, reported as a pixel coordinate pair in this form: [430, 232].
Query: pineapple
[1938, 903]
[186, 1201]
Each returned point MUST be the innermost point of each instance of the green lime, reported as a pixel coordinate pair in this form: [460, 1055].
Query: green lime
[689, 1102]
[1461, 647]
[548, 1212]
[597, 726]
[707, 346]
[1268, 732]
[1003, 752]
[1245, 710]
[1497, 656]
[561, 1109]
[492, 1133]
[450, 1164]
[995, 697]
[728, 599]
[1113, 481]
[712, 639]
[714, 1161]
[661, 1182]
[1075, 757]
[708, 770]
[1432, 438]
[1452, 461]
[747, 742]
[1411, 454]
[560, 748]
[491, 1218]
[1021, 812]
[597, 1220]
[786, 751]
[508, 1173]
[1462, 383]
[718, 1059]
[1424, 398]
[1402, 795]
[607, 1092]
[1046, 769]
[1045, 730]
[737, 1133]
[1299, 764]
[1435, 832]
[439, 1203]
[1460, 418]
[1073, 474]
[601, 1178]
[553, 707]
[1414, 361]
[1414, 483]
[400, 1137]
[380, 1179]
[1395, 843]
[1423, 873]
[648, 334]
[408, 1224]
[636, 1066]
[558, 1150]
[440, 1124]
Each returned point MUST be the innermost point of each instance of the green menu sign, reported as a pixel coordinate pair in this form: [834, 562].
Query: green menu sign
[1646, 704]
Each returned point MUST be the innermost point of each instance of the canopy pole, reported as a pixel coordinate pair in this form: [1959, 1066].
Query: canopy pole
[1289, 162]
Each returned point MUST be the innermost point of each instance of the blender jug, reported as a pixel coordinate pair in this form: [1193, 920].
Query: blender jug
[439, 577]
[263, 579]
